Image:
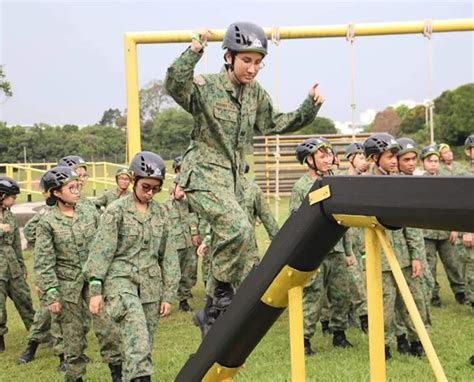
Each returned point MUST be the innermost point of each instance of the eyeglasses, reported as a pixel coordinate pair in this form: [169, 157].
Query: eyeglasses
[248, 62]
[73, 189]
[146, 188]
[85, 177]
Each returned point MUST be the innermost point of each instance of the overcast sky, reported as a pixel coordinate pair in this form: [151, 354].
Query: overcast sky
[65, 59]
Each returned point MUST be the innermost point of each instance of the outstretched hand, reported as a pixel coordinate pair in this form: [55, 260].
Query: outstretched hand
[317, 98]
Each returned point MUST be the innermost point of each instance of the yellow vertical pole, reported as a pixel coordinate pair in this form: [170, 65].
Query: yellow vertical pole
[375, 306]
[295, 309]
[9, 171]
[94, 184]
[411, 307]
[105, 176]
[133, 103]
[28, 183]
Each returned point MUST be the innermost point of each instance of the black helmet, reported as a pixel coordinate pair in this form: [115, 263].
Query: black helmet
[429, 150]
[354, 148]
[73, 161]
[8, 186]
[57, 177]
[310, 146]
[245, 37]
[177, 162]
[123, 171]
[469, 142]
[407, 145]
[378, 143]
[176, 179]
[148, 165]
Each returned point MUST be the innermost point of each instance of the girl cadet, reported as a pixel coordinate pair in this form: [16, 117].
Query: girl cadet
[133, 268]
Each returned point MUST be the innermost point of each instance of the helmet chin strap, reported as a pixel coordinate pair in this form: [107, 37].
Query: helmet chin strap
[138, 198]
[65, 203]
[355, 168]
[315, 168]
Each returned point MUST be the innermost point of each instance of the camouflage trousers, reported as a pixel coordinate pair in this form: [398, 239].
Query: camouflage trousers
[71, 323]
[232, 243]
[331, 279]
[137, 322]
[451, 262]
[393, 302]
[18, 291]
[188, 265]
[358, 289]
[469, 274]
[41, 327]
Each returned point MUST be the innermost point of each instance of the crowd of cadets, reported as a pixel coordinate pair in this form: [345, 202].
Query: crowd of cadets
[120, 270]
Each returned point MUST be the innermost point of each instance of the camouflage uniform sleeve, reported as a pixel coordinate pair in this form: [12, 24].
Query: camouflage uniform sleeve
[100, 201]
[168, 258]
[193, 222]
[296, 198]
[102, 250]
[348, 243]
[45, 261]
[17, 247]
[265, 214]
[30, 229]
[268, 121]
[415, 242]
[179, 78]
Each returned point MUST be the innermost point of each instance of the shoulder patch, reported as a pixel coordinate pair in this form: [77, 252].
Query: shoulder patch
[199, 80]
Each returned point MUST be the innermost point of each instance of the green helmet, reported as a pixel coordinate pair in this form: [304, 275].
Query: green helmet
[123, 171]
[407, 145]
[443, 146]
[429, 150]
[245, 37]
[354, 148]
[310, 146]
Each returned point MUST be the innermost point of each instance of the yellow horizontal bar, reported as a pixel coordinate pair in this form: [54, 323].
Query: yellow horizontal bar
[321, 31]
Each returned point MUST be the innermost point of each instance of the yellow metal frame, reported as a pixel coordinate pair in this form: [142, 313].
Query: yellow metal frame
[132, 39]
[218, 373]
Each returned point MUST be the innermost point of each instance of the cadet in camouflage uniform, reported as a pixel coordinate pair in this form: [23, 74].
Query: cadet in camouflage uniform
[134, 267]
[332, 277]
[227, 108]
[407, 160]
[358, 165]
[407, 245]
[12, 267]
[122, 178]
[63, 237]
[447, 165]
[184, 228]
[441, 242]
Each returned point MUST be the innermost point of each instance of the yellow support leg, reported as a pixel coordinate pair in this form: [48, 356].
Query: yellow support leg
[411, 307]
[375, 306]
[295, 308]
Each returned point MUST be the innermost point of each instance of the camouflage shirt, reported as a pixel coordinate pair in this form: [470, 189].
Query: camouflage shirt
[108, 197]
[299, 193]
[137, 247]
[11, 257]
[29, 230]
[225, 118]
[257, 207]
[184, 223]
[61, 250]
[456, 169]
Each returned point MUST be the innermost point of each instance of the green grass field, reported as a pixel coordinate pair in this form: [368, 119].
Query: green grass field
[177, 338]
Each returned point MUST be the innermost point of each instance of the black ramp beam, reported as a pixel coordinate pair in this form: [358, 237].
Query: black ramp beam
[303, 242]
[444, 203]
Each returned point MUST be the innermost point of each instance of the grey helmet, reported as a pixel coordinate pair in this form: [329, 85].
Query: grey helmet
[407, 145]
[310, 146]
[469, 142]
[73, 161]
[177, 162]
[245, 37]
[354, 148]
[57, 177]
[378, 143]
[8, 186]
[146, 164]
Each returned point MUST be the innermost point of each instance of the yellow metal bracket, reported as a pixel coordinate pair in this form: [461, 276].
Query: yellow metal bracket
[319, 195]
[357, 221]
[277, 293]
[218, 373]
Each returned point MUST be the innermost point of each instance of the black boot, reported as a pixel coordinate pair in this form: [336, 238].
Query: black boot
[201, 318]
[339, 340]
[416, 349]
[29, 353]
[79, 379]
[460, 298]
[145, 378]
[307, 347]
[2, 344]
[223, 295]
[62, 364]
[184, 306]
[364, 323]
[436, 302]
[471, 360]
[325, 328]
[403, 346]
[388, 354]
[116, 372]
